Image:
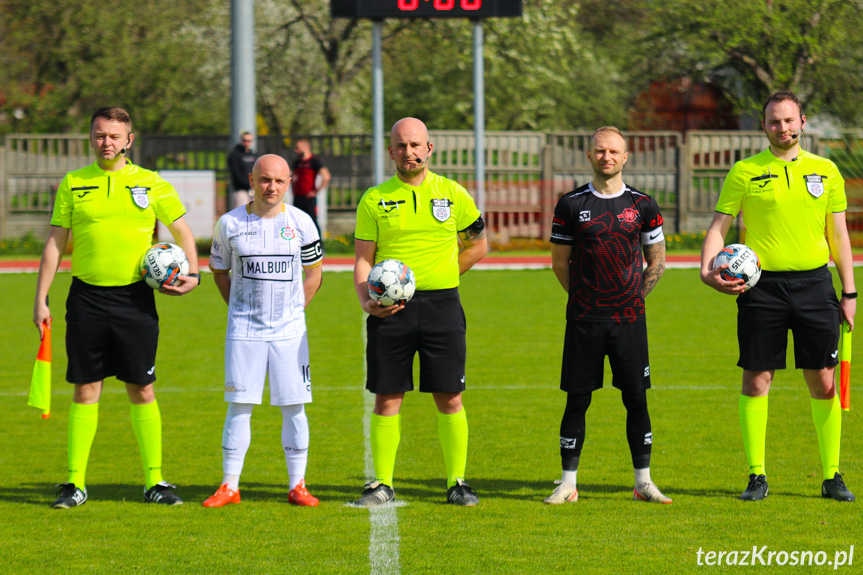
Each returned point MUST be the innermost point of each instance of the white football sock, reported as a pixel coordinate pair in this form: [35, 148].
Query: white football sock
[642, 476]
[236, 438]
[569, 477]
[295, 441]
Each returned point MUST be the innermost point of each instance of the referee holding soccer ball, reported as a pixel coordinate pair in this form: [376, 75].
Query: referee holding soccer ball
[112, 327]
[788, 198]
[433, 225]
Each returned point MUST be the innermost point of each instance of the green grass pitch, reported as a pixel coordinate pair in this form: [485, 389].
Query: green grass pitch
[515, 335]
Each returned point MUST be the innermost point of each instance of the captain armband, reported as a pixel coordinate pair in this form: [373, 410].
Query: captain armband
[474, 230]
[312, 253]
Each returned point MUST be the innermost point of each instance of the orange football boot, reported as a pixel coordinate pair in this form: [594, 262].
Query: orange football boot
[222, 497]
[299, 495]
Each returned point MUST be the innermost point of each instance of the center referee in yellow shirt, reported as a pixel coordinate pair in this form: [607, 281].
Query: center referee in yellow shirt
[793, 204]
[433, 225]
[112, 327]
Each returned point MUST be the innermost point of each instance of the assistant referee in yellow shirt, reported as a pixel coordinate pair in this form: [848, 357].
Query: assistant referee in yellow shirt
[112, 327]
[788, 198]
[433, 225]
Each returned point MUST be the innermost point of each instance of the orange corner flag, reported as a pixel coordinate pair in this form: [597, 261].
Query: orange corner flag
[40, 384]
[845, 367]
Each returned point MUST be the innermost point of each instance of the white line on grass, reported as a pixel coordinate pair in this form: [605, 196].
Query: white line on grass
[384, 532]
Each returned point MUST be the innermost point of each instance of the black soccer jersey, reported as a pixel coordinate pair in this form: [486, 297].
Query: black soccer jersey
[606, 234]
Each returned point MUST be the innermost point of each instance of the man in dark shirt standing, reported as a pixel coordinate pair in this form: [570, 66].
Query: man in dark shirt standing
[304, 181]
[597, 237]
[241, 160]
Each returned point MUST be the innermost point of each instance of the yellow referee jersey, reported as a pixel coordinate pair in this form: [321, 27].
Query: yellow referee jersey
[112, 216]
[418, 226]
[785, 207]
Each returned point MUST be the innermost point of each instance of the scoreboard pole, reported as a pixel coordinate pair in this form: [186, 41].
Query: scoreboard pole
[479, 115]
[377, 102]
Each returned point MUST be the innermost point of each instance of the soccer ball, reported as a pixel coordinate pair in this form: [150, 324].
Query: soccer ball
[742, 264]
[162, 263]
[391, 282]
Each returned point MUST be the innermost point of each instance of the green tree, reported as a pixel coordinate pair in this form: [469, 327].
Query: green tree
[752, 49]
[64, 58]
[542, 72]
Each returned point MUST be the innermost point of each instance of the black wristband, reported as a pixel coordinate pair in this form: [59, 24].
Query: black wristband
[198, 277]
[852, 295]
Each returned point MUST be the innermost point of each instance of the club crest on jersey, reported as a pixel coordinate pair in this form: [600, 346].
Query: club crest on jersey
[629, 215]
[584, 216]
[815, 185]
[288, 233]
[441, 209]
[140, 197]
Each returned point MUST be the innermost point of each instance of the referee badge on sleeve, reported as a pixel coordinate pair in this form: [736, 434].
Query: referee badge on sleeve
[815, 185]
[140, 197]
[441, 209]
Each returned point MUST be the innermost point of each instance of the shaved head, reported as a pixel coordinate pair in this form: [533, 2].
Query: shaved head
[270, 179]
[410, 149]
[410, 126]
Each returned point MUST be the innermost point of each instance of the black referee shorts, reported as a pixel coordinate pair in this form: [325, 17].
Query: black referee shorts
[804, 302]
[111, 331]
[584, 349]
[431, 324]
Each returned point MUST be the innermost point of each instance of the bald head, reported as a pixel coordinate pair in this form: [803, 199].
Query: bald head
[409, 126]
[270, 162]
[270, 179]
[410, 149]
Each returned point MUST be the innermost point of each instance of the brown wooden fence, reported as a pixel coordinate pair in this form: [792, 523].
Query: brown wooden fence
[526, 172]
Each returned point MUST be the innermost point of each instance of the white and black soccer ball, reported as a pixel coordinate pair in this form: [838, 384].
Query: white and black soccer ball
[742, 263]
[162, 263]
[391, 282]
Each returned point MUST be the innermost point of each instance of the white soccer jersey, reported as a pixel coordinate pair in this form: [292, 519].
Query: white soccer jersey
[266, 258]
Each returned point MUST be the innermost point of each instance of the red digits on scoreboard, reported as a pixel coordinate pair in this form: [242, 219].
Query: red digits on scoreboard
[444, 4]
[408, 4]
[471, 4]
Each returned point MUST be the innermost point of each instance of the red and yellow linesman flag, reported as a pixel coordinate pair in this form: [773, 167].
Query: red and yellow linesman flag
[845, 367]
[40, 384]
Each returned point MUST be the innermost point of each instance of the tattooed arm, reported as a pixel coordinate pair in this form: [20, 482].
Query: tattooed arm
[472, 245]
[654, 255]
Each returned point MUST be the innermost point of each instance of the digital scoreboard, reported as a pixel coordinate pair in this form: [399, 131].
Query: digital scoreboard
[383, 9]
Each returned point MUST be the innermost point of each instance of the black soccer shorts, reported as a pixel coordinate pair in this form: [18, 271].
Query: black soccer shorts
[111, 331]
[584, 349]
[804, 302]
[431, 324]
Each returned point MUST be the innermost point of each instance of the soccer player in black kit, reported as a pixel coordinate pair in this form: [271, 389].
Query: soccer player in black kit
[597, 238]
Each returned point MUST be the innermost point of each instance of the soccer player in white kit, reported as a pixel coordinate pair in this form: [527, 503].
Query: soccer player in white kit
[259, 254]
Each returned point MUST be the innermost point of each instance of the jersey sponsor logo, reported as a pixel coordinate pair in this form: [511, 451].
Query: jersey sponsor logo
[584, 216]
[441, 209]
[277, 268]
[388, 207]
[815, 185]
[628, 215]
[288, 233]
[763, 183]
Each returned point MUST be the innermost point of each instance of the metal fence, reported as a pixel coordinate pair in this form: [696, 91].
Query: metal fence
[526, 172]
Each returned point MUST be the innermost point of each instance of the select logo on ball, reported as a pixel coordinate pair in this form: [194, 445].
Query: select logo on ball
[743, 263]
[162, 264]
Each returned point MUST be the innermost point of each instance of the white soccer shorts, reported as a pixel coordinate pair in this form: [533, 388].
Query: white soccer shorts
[247, 364]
